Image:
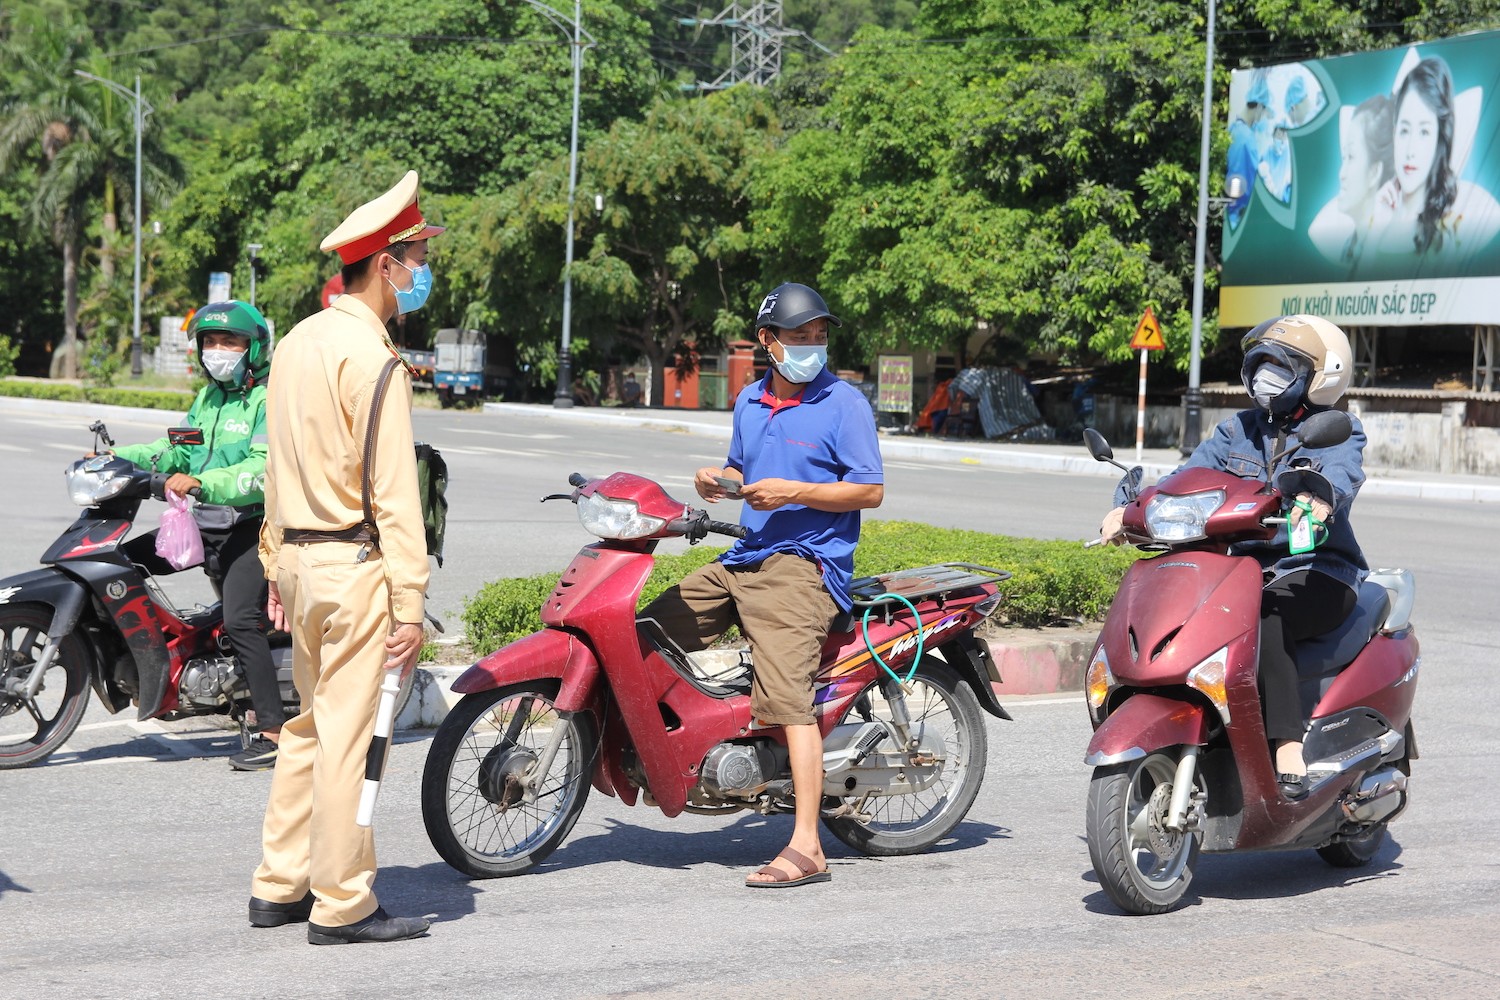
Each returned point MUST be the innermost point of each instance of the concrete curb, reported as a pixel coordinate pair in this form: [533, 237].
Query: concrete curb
[1031, 662]
[1476, 489]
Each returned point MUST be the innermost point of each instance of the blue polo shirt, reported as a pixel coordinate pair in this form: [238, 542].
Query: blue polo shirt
[827, 435]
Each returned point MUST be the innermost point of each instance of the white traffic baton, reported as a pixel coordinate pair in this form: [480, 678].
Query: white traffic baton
[385, 717]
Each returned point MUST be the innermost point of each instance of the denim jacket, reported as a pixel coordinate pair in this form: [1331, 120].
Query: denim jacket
[1244, 445]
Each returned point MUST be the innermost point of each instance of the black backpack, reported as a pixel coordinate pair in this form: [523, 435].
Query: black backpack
[432, 486]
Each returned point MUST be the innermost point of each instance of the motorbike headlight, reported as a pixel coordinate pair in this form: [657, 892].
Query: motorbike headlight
[1181, 518]
[90, 482]
[1207, 678]
[1098, 682]
[616, 518]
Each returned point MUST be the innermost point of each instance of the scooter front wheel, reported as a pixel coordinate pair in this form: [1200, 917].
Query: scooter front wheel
[1142, 865]
[31, 729]
[487, 810]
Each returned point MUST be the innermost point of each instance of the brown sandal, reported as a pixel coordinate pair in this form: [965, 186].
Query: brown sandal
[781, 880]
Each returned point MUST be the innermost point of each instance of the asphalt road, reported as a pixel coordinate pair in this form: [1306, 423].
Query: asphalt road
[125, 861]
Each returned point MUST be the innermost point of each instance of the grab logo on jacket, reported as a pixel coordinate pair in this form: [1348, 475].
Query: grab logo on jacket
[237, 426]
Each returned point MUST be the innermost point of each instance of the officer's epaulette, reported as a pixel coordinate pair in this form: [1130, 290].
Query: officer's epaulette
[410, 368]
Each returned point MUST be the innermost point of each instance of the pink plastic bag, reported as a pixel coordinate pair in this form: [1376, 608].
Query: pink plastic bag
[178, 540]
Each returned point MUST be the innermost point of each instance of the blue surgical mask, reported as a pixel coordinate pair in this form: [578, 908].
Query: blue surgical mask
[800, 365]
[414, 297]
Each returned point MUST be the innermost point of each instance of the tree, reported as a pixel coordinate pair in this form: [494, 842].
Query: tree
[74, 125]
[667, 261]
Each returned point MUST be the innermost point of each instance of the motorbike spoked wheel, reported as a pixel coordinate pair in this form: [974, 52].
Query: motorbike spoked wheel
[31, 730]
[1144, 867]
[473, 800]
[1357, 852]
[946, 713]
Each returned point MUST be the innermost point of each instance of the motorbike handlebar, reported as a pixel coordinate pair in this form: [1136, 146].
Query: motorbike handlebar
[577, 480]
[726, 528]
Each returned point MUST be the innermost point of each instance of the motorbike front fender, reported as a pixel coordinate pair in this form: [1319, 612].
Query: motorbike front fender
[552, 653]
[67, 599]
[1143, 724]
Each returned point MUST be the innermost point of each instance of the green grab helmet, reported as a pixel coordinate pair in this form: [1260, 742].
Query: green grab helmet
[241, 319]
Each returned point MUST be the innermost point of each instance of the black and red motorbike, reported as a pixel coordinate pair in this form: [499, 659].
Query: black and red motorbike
[1180, 756]
[92, 618]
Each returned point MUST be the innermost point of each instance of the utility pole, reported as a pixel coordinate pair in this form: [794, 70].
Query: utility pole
[756, 36]
[564, 395]
[141, 109]
[1192, 411]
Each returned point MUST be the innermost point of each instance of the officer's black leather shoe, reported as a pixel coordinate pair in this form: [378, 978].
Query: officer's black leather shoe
[264, 914]
[378, 926]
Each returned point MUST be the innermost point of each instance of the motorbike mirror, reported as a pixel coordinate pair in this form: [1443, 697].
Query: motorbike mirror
[185, 435]
[1325, 429]
[1098, 447]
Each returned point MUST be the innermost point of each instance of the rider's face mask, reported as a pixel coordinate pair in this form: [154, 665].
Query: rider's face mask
[800, 363]
[226, 366]
[1270, 383]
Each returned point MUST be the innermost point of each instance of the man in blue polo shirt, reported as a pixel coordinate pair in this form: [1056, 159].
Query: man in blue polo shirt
[806, 461]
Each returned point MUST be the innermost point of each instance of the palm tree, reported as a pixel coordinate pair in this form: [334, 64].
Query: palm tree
[85, 150]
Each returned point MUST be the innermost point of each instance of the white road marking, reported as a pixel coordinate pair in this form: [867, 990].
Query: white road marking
[508, 434]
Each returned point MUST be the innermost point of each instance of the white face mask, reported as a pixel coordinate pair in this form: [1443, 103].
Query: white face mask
[1269, 382]
[800, 365]
[225, 366]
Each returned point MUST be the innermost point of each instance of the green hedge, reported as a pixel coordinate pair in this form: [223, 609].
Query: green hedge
[1051, 582]
[148, 399]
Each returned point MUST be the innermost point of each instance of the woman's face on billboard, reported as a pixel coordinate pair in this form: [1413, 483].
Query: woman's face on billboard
[1415, 143]
[1357, 172]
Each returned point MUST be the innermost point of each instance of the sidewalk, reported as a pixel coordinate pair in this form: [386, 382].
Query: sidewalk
[1073, 459]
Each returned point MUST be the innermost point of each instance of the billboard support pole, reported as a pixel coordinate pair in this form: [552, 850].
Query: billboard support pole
[1192, 416]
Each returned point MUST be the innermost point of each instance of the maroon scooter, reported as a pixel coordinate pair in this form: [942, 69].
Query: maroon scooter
[1180, 756]
[601, 698]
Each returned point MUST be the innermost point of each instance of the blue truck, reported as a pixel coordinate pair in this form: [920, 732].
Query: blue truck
[458, 372]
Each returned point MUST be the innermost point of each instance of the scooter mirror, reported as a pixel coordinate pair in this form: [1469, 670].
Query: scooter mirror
[1098, 447]
[1326, 429]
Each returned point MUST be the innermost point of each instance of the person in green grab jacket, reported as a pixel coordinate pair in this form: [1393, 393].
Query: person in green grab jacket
[228, 471]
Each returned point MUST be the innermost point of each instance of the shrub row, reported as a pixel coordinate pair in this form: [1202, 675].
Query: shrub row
[148, 399]
[1051, 582]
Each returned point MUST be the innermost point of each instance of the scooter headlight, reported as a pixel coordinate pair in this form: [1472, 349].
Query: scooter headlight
[1181, 518]
[609, 518]
[1099, 681]
[1207, 678]
[93, 481]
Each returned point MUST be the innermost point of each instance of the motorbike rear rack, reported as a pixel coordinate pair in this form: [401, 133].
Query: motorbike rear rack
[937, 580]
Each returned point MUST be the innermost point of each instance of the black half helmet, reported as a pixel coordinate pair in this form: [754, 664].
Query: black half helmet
[789, 305]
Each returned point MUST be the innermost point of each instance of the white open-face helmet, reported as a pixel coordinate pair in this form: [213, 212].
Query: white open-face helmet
[1316, 351]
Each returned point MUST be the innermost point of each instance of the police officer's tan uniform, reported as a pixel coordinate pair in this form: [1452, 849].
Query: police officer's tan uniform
[342, 598]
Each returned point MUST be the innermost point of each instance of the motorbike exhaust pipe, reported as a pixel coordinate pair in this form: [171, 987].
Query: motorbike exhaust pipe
[1380, 796]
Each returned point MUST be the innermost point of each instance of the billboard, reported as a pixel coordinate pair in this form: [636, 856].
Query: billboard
[1366, 188]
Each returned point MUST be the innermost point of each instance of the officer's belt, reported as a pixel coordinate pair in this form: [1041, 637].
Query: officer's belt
[354, 533]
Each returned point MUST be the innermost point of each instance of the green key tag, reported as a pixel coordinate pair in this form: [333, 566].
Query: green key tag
[1301, 537]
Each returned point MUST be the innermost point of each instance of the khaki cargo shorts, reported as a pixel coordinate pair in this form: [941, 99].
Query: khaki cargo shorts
[785, 612]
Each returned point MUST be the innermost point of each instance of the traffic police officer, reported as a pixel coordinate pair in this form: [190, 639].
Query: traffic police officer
[350, 594]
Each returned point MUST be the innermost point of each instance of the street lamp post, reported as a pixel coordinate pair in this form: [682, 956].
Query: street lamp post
[141, 109]
[564, 396]
[1192, 417]
[254, 250]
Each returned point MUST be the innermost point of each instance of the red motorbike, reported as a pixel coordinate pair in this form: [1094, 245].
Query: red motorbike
[601, 698]
[1180, 755]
